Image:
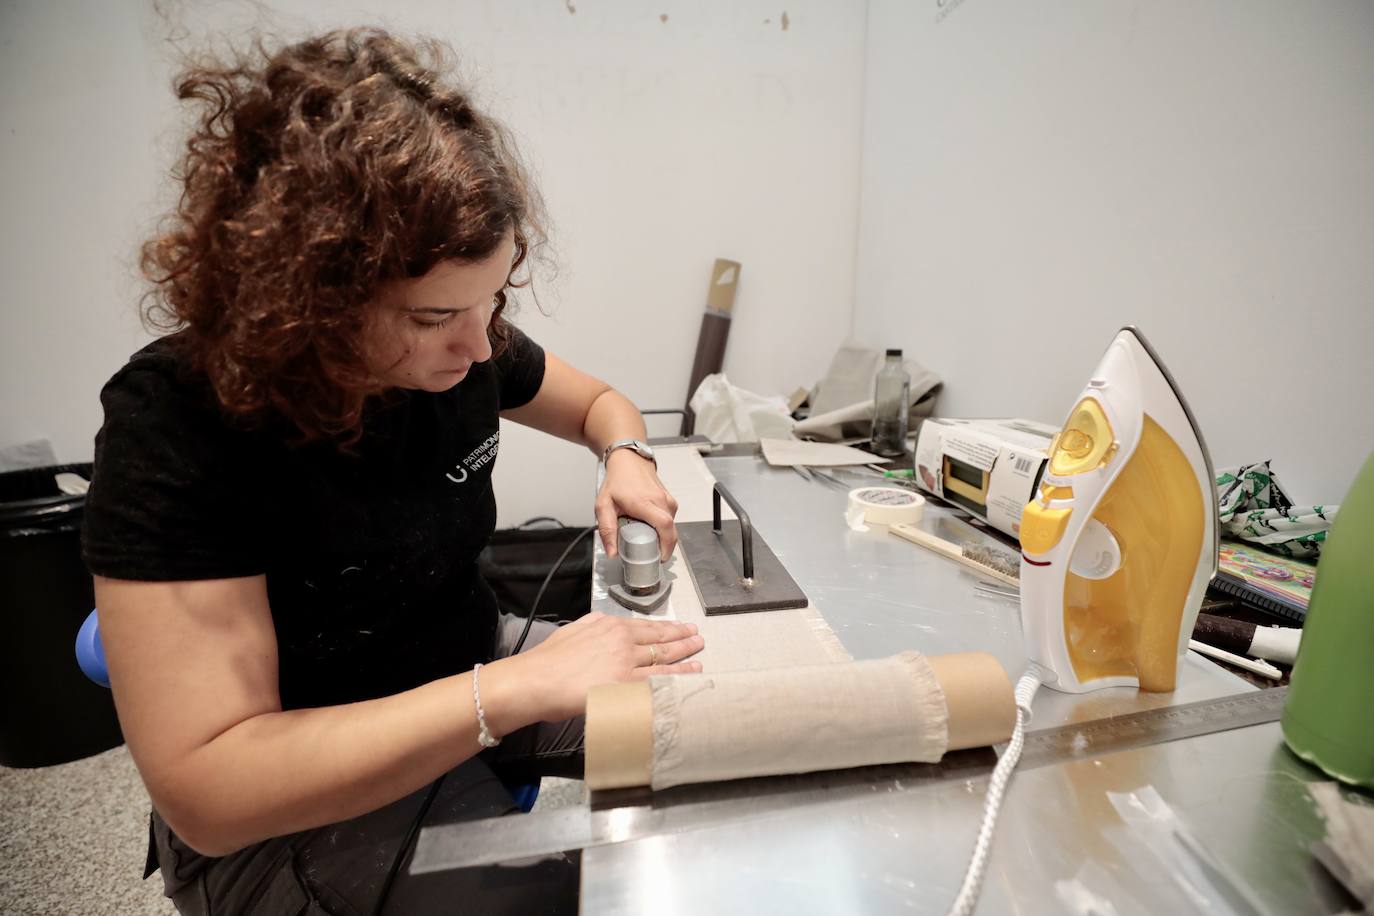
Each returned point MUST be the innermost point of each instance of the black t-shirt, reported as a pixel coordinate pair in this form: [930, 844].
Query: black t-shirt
[370, 556]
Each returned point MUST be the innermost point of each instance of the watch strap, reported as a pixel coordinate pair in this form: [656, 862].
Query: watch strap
[640, 448]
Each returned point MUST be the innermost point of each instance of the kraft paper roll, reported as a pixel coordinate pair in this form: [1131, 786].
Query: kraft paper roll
[884, 506]
[618, 735]
[979, 698]
[701, 728]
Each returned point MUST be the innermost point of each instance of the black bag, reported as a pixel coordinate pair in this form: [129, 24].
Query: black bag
[516, 561]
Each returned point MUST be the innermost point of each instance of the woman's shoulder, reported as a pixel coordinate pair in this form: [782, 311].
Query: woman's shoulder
[160, 365]
[518, 369]
[172, 480]
[159, 405]
[160, 380]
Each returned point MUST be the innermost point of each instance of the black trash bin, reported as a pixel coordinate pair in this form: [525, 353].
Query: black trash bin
[49, 711]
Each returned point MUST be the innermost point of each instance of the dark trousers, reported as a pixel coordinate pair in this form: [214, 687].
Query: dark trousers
[341, 869]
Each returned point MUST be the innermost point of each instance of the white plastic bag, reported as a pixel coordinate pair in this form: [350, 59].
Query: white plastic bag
[727, 413]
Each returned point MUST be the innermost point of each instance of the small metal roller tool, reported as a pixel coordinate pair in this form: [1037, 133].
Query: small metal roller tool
[644, 586]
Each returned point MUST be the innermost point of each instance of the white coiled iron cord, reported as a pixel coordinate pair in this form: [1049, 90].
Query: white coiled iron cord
[997, 786]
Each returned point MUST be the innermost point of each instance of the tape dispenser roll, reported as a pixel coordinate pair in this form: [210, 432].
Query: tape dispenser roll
[883, 506]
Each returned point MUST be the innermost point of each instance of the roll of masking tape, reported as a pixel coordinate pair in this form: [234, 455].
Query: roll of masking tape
[883, 506]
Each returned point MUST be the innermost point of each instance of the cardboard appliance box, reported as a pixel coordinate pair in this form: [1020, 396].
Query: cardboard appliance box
[989, 467]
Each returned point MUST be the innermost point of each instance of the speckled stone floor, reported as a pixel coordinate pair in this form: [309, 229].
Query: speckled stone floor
[72, 838]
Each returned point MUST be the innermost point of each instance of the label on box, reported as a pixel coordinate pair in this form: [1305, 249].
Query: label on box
[1011, 487]
[981, 455]
[1011, 453]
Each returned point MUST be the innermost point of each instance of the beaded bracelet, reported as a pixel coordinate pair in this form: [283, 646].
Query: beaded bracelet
[484, 736]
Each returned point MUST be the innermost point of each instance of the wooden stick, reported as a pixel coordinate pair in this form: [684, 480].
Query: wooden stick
[1263, 669]
[715, 330]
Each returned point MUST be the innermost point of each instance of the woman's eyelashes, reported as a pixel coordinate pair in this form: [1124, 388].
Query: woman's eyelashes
[430, 321]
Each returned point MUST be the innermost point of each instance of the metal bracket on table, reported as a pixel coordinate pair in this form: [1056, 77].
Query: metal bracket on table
[728, 582]
[746, 529]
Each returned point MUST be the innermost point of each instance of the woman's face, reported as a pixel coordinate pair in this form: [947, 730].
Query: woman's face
[429, 331]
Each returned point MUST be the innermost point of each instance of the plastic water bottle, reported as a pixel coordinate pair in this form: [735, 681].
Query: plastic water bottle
[891, 404]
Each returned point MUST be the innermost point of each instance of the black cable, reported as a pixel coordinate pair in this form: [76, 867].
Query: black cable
[405, 844]
[539, 518]
[534, 608]
[434, 789]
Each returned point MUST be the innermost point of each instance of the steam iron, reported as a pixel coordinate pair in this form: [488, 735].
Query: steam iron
[1117, 547]
[1120, 540]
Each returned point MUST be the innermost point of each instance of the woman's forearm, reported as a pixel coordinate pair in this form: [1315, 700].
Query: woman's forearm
[611, 417]
[280, 772]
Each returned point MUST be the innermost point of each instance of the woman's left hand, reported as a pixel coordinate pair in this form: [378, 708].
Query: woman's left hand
[632, 489]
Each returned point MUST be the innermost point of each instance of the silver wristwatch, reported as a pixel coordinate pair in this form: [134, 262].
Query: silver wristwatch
[639, 448]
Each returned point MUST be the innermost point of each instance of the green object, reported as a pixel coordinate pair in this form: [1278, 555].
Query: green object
[1328, 719]
[905, 472]
[1252, 506]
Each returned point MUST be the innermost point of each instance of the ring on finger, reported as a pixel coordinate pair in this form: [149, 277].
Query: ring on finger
[653, 655]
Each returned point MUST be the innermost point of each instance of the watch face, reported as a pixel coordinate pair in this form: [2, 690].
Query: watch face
[639, 448]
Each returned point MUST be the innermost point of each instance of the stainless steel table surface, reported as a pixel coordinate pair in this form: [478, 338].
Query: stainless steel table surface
[881, 594]
[884, 845]
[1240, 793]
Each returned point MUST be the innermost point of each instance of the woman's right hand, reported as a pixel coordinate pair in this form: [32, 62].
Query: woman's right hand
[596, 649]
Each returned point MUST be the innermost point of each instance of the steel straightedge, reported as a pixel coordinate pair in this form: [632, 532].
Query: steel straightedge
[623, 816]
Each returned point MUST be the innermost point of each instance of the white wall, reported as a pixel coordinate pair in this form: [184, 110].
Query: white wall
[1203, 170]
[659, 145]
[1038, 174]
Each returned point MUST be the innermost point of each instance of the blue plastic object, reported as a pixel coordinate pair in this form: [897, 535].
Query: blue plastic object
[90, 654]
[525, 795]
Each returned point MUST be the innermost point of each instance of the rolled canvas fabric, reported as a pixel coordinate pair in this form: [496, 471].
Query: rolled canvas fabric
[778, 692]
[796, 720]
[734, 642]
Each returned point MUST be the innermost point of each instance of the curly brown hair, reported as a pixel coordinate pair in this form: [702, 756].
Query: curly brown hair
[316, 173]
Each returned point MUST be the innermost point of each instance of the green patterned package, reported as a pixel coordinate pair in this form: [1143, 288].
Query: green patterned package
[1254, 508]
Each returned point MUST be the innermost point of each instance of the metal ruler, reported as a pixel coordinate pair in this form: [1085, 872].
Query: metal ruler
[621, 817]
[1152, 726]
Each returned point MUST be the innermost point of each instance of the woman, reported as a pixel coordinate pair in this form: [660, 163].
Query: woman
[291, 490]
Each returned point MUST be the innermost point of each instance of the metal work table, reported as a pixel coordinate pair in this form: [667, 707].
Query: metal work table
[891, 847]
[887, 839]
[881, 594]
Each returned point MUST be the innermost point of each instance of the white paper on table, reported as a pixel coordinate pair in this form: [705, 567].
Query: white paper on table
[791, 452]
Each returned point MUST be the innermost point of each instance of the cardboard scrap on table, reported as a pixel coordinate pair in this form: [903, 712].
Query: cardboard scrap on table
[792, 452]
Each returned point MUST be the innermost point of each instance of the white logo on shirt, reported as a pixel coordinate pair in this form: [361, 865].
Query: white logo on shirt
[478, 458]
